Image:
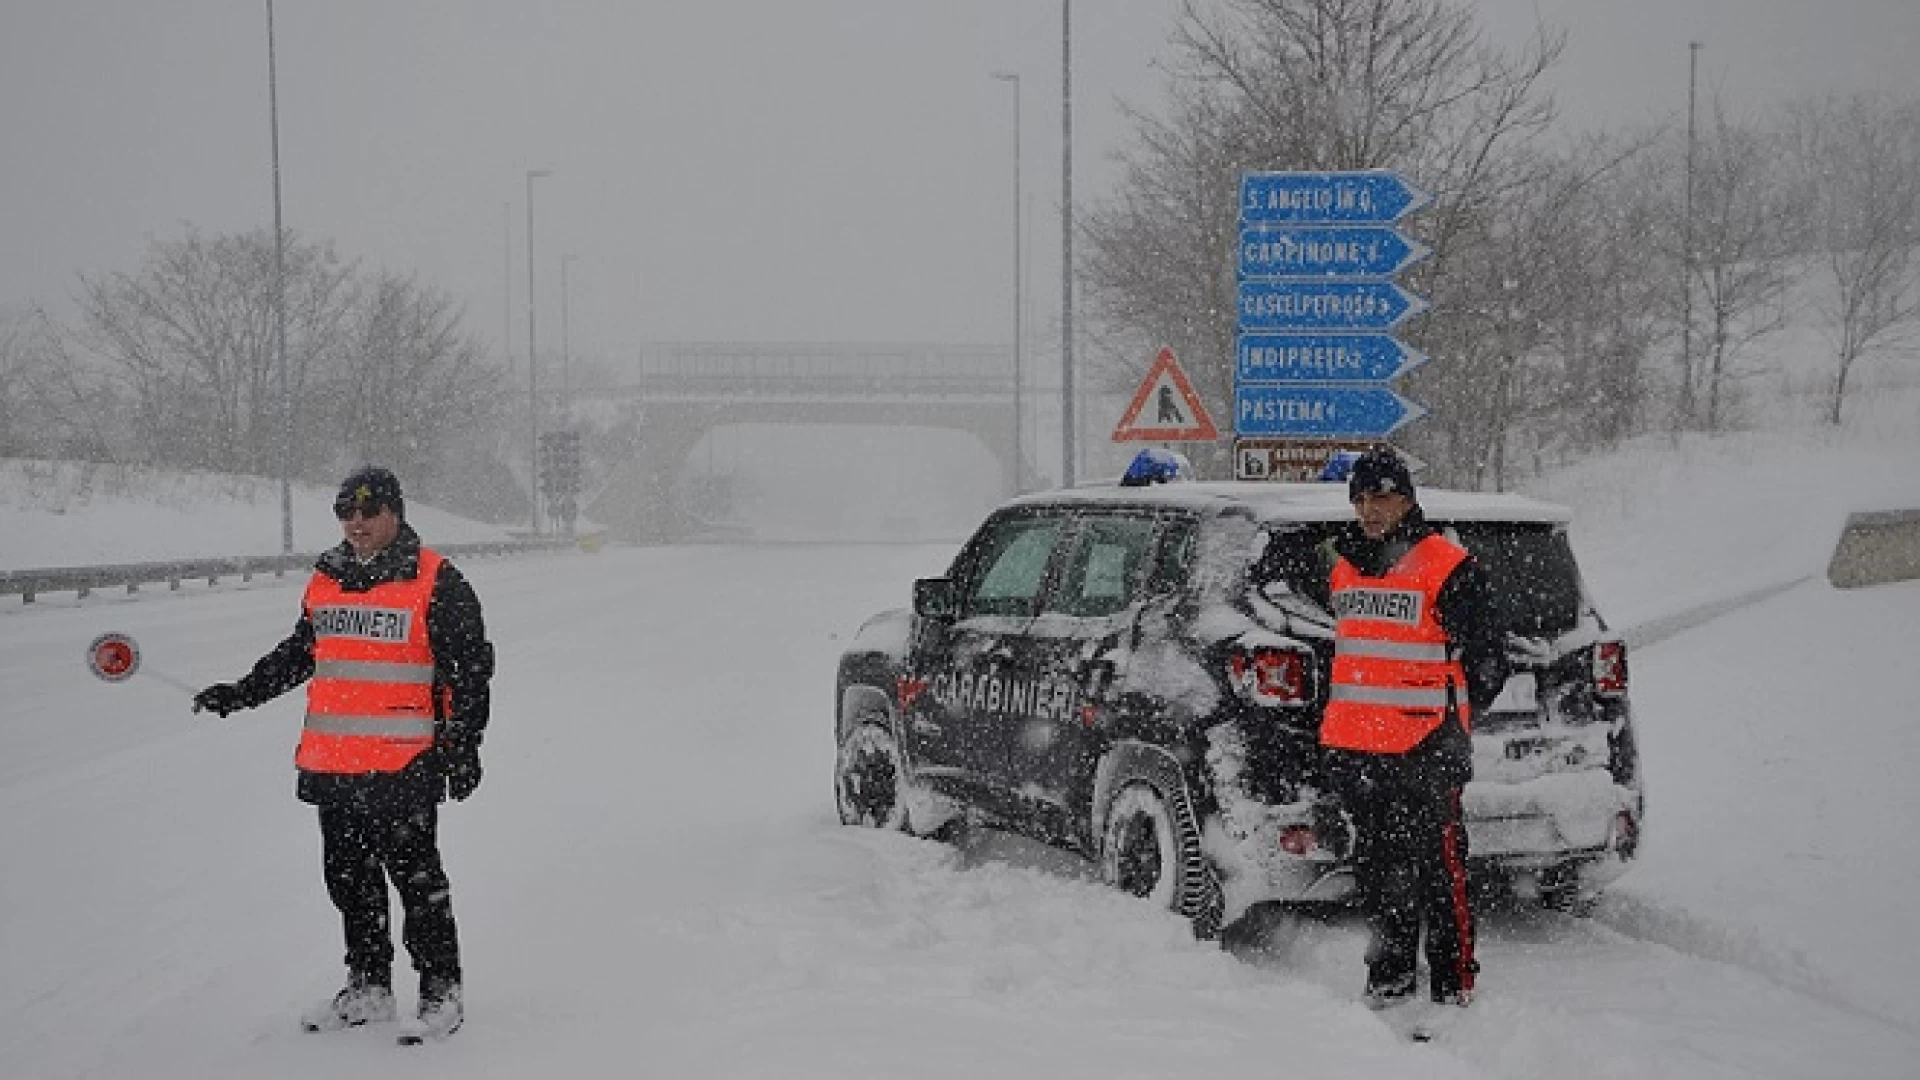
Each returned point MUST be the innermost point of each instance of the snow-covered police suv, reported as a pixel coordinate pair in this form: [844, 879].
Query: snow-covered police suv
[1137, 672]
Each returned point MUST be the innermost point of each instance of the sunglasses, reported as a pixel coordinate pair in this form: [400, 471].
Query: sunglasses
[346, 511]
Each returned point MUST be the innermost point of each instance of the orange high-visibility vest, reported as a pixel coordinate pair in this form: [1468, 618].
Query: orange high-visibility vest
[1393, 674]
[370, 706]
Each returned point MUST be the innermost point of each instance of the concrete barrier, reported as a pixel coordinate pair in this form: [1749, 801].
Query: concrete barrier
[1876, 547]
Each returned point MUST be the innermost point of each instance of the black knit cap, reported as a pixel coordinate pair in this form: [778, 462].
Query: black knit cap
[1379, 471]
[371, 486]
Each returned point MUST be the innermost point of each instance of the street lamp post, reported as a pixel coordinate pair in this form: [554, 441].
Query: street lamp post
[1067, 452]
[533, 366]
[280, 302]
[566, 354]
[506, 333]
[1686, 253]
[1019, 411]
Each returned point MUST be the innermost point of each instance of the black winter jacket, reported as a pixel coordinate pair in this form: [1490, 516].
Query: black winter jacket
[462, 660]
[1466, 611]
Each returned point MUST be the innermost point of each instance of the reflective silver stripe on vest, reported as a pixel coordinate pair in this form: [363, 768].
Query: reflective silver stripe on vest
[386, 727]
[1391, 650]
[1392, 698]
[371, 671]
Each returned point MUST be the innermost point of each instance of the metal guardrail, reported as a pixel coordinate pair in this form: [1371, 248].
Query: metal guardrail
[82, 580]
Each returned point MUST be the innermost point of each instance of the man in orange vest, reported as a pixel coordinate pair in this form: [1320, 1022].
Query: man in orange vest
[392, 638]
[1417, 652]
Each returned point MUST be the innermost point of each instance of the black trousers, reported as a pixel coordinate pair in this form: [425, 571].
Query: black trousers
[1410, 865]
[361, 848]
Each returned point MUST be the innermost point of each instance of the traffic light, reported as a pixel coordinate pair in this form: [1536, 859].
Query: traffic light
[560, 474]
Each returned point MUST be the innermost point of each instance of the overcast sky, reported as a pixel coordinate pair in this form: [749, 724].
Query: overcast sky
[805, 170]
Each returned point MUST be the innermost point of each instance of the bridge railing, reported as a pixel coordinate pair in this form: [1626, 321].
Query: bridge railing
[82, 580]
[821, 358]
[744, 386]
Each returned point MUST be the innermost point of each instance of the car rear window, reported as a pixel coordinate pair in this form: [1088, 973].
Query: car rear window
[1530, 572]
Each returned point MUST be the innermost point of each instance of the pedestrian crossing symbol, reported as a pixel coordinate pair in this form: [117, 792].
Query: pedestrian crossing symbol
[1166, 408]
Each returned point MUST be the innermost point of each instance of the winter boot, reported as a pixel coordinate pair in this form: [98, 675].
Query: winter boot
[439, 1014]
[365, 1000]
[1385, 995]
[1456, 990]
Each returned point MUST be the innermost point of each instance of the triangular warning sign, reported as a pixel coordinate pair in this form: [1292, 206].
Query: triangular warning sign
[1165, 408]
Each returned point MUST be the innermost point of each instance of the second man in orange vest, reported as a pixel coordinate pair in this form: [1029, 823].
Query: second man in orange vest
[1417, 652]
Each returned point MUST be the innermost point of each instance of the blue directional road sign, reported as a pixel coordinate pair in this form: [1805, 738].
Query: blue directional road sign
[1323, 358]
[1293, 198]
[1322, 412]
[1362, 251]
[1325, 305]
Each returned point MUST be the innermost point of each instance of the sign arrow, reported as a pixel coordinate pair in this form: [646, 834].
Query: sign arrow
[1328, 197]
[1325, 305]
[1322, 411]
[1326, 251]
[1323, 358]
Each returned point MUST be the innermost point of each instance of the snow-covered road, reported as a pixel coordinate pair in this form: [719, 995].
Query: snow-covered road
[651, 882]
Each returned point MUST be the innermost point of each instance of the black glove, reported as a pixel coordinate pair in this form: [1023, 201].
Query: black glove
[461, 766]
[459, 760]
[221, 698]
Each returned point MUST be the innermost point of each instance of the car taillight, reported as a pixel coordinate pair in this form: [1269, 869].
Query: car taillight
[1610, 668]
[1296, 839]
[1625, 838]
[1270, 676]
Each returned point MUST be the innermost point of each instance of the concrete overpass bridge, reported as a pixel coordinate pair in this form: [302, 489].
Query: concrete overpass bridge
[684, 391]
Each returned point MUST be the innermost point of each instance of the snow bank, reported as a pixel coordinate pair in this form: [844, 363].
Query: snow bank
[64, 513]
[1661, 526]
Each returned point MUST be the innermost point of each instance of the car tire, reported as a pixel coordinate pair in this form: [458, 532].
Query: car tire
[1151, 849]
[869, 779]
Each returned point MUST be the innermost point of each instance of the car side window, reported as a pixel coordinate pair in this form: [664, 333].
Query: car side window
[1105, 572]
[1175, 557]
[1012, 566]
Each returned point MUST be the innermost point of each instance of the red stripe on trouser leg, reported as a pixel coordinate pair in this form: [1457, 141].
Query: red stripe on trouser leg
[1457, 889]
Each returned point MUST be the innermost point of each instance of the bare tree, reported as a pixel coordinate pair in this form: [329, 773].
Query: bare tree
[48, 406]
[192, 334]
[1536, 347]
[1859, 163]
[409, 385]
[24, 369]
[1160, 265]
[1748, 225]
[1611, 320]
[1305, 84]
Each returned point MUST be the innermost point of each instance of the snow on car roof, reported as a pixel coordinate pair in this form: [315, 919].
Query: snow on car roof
[1276, 501]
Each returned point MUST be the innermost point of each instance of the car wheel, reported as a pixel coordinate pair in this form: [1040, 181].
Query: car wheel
[869, 779]
[1152, 850]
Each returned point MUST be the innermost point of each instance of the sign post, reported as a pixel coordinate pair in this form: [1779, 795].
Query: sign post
[1317, 310]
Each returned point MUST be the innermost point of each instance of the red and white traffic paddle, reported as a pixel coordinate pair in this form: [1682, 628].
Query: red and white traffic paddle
[115, 657]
